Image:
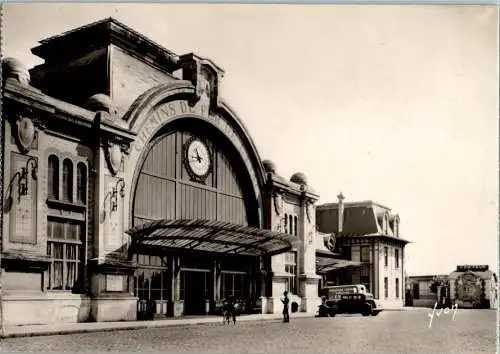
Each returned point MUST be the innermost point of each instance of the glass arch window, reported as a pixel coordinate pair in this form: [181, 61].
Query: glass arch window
[67, 182]
[53, 178]
[81, 183]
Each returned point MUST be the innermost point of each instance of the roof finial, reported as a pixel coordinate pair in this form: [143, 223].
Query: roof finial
[340, 197]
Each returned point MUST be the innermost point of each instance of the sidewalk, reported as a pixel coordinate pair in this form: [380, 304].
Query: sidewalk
[86, 327]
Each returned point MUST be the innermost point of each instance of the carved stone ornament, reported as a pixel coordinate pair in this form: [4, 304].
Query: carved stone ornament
[329, 242]
[203, 88]
[25, 133]
[278, 203]
[309, 211]
[204, 75]
[114, 157]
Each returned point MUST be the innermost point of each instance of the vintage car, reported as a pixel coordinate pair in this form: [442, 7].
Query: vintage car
[328, 308]
[364, 304]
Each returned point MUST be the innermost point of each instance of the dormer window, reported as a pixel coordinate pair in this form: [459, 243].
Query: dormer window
[396, 226]
[385, 224]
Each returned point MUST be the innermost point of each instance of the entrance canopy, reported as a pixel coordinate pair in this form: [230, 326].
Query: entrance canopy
[325, 265]
[211, 236]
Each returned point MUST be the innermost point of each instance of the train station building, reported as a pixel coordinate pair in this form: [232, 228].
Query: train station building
[127, 178]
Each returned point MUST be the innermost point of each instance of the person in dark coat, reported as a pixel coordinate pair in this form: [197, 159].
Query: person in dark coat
[230, 310]
[285, 301]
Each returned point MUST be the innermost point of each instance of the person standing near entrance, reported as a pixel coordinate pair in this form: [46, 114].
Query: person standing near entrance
[285, 301]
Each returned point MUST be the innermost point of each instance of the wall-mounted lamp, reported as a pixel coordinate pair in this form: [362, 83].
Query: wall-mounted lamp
[23, 177]
[114, 194]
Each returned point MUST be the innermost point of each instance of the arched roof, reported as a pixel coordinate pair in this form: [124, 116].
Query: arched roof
[147, 102]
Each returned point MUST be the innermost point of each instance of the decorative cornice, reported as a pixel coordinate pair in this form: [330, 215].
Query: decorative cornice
[29, 100]
[82, 40]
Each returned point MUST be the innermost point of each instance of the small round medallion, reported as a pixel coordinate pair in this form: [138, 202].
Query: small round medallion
[26, 133]
[115, 157]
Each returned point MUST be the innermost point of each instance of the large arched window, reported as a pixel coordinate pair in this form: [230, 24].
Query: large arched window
[67, 182]
[53, 178]
[81, 183]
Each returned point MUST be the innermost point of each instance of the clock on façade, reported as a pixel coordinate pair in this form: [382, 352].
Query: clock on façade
[197, 159]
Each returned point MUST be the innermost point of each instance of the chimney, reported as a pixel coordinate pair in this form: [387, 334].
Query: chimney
[341, 212]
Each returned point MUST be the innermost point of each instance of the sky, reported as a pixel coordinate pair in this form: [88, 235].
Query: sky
[392, 103]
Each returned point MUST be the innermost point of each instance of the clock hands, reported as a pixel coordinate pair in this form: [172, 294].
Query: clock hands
[196, 157]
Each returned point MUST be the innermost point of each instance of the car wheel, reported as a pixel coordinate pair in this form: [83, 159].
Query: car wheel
[367, 310]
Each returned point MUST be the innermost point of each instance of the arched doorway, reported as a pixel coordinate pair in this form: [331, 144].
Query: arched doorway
[169, 186]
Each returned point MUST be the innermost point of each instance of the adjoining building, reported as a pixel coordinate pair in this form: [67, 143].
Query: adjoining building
[469, 286]
[131, 186]
[422, 290]
[366, 235]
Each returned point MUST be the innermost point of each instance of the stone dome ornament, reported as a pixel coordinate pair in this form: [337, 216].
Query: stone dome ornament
[299, 178]
[101, 103]
[269, 166]
[13, 68]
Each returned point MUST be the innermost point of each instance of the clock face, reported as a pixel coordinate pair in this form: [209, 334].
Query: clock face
[198, 158]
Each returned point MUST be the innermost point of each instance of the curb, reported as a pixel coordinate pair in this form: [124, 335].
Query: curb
[37, 333]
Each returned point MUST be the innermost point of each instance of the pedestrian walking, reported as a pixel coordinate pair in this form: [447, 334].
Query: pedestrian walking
[285, 301]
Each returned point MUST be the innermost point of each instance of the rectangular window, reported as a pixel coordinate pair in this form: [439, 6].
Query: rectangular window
[397, 288]
[64, 266]
[346, 252]
[233, 284]
[386, 287]
[365, 254]
[416, 291]
[64, 246]
[396, 257]
[291, 269]
[386, 256]
[364, 277]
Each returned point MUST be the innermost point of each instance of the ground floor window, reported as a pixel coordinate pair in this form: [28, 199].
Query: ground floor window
[64, 248]
[365, 277]
[416, 291]
[233, 285]
[397, 288]
[151, 279]
[386, 287]
[64, 266]
[291, 269]
[151, 284]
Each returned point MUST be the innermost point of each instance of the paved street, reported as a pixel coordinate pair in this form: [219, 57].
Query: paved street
[471, 331]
